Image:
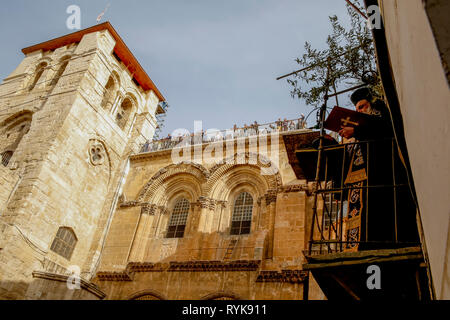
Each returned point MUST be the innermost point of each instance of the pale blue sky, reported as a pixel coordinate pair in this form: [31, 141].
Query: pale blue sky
[214, 61]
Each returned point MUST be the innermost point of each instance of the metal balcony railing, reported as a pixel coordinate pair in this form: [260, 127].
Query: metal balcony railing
[376, 212]
[216, 135]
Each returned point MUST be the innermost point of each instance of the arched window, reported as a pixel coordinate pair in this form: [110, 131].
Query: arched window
[123, 113]
[37, 74]
[64, 242]
[242, 214]
[177, 222]
[64, 62]
[6, 156]
[12, 132]
[110, 94]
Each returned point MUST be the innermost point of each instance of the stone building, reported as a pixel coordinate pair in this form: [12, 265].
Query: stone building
[70, 115]
[79, 198]
[210, 229]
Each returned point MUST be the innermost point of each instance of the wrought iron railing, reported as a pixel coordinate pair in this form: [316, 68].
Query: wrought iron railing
[216, 135]
[386, 207]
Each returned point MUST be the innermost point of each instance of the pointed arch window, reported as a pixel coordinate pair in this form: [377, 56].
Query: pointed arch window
[64, 242]
[12, 133]
[6, 156]
[63, 65]
[242, 214]
[38, 74]
[123, 113]
[110, 93]
[178, 219]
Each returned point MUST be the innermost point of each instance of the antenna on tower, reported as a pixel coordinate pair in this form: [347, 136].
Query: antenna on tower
[100, 16]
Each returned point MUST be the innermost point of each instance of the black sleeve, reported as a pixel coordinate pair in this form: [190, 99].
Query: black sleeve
[378, 128]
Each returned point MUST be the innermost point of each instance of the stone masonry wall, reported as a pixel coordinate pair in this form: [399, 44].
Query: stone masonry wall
[71, 159]
[265, 264]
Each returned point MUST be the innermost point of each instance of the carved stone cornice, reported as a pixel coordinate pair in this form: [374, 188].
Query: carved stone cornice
[271, 196]
[163, 210]
[295, 188]
[208, 203]
[179, 266]
[290, 276]
[221, 203]
[146, 207]
[114, 276]
[147, 267]
[88, 286]
[203, 266]
[259, 201]
[128, 204]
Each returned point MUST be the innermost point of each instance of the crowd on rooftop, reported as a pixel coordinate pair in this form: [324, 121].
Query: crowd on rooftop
[237, 132]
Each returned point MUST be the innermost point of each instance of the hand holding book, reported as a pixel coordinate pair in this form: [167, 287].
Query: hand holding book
[340, 118]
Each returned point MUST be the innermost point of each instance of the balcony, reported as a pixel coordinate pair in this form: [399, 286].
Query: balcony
[363, 218]
[280, 126]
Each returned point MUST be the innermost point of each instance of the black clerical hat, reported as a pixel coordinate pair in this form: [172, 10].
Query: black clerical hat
[361, 94]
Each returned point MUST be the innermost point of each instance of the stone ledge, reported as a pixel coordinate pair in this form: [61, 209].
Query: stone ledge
[92, 288]
[198, 266]
[202, 266]
[296, 188]
[290, 276]
[113, 276]
[237, 265]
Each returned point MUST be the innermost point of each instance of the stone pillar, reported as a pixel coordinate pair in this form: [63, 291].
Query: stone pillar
[271, 198]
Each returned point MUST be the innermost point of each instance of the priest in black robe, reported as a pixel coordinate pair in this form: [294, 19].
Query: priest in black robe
[378, 215]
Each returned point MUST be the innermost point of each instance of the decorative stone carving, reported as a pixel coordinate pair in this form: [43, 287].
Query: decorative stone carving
[221, 203]
[163, 210]
[127, 204]
[235, 265]
[295, 188]
[290, 276]
[148, 208]
[258, 201]
[97, 153]
[185, 167]
[114, 276]
[174, 266]
[208, 203]
[271, 196]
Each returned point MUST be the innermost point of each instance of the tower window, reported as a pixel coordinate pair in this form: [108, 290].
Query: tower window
[123, 113]
[64, 62]
[6, 156]
[110, 94]
[242, 214]
[11, 134]
[38, 74]
[64, 242]
[178, 219]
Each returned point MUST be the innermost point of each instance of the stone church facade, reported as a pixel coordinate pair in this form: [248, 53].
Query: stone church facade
[77, 195]
[212, 256]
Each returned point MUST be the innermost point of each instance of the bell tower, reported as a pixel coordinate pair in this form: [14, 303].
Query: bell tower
[71, 114]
